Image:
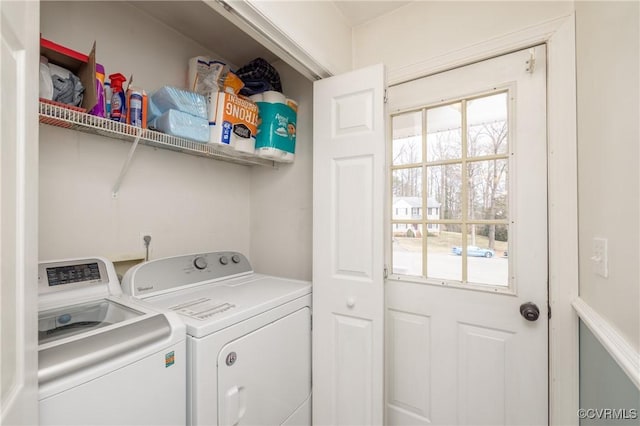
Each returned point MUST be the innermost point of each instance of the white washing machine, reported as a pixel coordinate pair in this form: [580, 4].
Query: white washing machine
[104, 357]
[248, 337]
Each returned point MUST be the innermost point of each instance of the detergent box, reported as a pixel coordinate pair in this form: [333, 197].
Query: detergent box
[84, 66]
[232, 122]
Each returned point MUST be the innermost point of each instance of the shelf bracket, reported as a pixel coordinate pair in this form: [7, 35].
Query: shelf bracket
[127, 163]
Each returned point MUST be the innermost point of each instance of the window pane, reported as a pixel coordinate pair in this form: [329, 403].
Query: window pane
[488, 189]
[407, 193]
[441, 263]
[407, 249]
[487, 125]
[444, 190]
[486, 260]
[407, 138]
[444, 134]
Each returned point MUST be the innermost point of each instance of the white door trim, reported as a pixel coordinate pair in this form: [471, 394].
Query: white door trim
[559, 35]
[253, 22]
[19, 37]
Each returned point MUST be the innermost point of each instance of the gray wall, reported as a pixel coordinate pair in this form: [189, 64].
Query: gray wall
[603, 384]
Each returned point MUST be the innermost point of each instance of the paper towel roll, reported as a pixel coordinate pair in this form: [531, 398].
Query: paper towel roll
[257, 97]
[246, 146]
[273, 97]
[215, 127]
[293, 104]
[269, 153]
[288, 157]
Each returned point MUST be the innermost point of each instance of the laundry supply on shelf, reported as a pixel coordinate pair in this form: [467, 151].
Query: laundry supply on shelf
[73, 75]
[179, 113]
[46, 84]
[233, 122]
[206, 76]
[276, 138]
[100, 108]
[67, 87]
[118, 100]
[136, 100]
[107, 99]
[172, 98]
[259, 76]
[67, 90]
[183, 125]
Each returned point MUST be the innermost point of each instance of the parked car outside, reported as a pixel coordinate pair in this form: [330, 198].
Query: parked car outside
[474, 251]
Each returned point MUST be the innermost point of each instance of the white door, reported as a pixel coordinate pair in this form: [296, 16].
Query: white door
[468, 246]
[348, 258]
[18, 212]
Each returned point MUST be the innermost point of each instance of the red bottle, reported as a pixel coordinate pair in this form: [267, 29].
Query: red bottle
[118, 104]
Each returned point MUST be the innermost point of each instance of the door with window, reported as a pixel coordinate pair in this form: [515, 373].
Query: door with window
[466, 301]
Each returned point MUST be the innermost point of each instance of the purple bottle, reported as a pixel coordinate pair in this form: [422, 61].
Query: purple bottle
[99, 109]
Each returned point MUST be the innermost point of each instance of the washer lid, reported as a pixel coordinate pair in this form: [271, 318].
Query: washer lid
[67, 321]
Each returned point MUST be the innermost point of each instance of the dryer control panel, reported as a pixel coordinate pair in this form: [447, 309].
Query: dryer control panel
[174, 273]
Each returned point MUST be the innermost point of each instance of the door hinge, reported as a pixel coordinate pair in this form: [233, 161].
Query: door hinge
[386, 96]
[385, 272]
[548, 311]
[531, 63]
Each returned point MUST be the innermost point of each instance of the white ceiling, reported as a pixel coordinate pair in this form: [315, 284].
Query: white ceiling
[360, 11]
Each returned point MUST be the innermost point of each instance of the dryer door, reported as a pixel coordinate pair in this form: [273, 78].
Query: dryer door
[264, 376]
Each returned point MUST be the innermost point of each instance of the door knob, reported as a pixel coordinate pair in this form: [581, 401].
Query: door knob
[529, 311]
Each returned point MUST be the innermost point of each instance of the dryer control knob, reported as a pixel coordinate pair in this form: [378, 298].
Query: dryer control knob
[235, 258]
[200, 262]
[224, 260]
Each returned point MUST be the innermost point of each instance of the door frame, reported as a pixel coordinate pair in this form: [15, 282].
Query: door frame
[562, 180]
[19, 22]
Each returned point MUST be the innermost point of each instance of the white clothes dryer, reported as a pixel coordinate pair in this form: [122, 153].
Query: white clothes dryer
[104, 357]
[248, 337]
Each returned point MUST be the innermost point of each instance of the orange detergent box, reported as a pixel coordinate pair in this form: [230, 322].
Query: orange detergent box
[233, 122]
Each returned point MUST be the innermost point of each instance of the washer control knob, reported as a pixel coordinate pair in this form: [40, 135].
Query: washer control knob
[200, 262]
[224, 260]
[235, 258]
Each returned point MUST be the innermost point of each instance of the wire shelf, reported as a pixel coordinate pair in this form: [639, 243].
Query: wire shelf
[62, 116]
